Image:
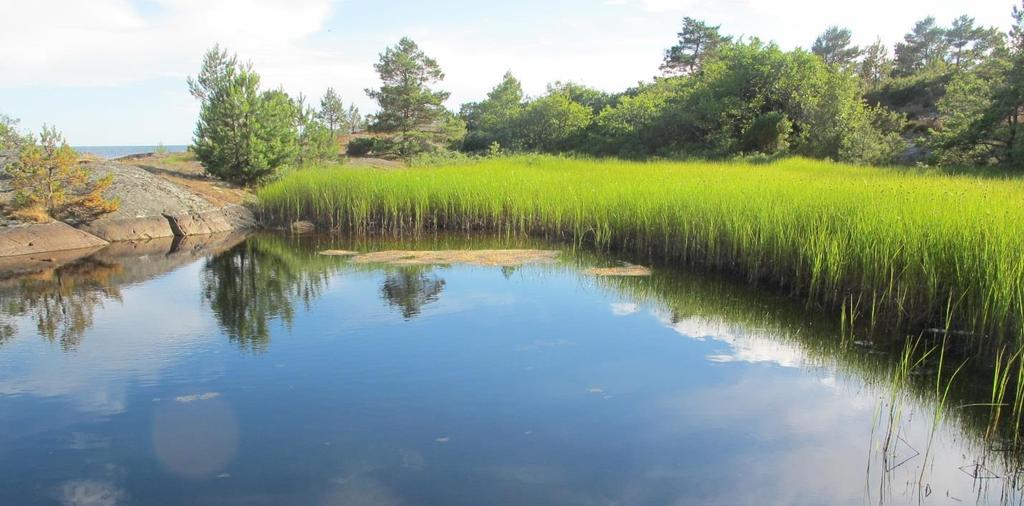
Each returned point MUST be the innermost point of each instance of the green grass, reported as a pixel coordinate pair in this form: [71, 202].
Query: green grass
[909, 249]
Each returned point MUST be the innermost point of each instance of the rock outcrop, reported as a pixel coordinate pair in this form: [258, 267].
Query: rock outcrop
[153, 207]
[36, 238]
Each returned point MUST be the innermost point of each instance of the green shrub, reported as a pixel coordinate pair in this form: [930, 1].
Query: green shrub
[768, 134]
[368, 146]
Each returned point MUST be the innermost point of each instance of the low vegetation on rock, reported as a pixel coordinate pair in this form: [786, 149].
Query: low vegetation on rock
[48, 181]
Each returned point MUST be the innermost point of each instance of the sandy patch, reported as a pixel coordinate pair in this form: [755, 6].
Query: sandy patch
[502, 257]
[628, 270]
[338, 253]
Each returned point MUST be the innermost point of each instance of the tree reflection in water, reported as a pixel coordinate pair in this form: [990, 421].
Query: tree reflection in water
[61, 302]
[259, 281]
[410, 288]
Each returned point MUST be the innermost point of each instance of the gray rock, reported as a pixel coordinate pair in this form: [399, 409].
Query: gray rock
[7, 156]
[44, 237]
[153, 207]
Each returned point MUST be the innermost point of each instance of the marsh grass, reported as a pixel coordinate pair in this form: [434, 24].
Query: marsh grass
[895, 245]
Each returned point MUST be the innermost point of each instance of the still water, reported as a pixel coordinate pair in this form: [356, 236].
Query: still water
[226, 370]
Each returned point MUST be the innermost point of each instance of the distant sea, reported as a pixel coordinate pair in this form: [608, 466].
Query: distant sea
[119, 151]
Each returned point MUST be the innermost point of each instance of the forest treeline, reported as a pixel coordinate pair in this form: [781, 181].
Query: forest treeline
[944, 95]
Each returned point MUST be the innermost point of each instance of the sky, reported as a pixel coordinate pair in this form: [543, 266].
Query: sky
[112, 72]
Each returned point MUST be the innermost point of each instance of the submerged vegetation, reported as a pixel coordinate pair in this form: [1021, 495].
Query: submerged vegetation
[893, 248]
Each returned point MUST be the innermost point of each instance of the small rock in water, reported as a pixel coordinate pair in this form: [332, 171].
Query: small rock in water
[302, 227]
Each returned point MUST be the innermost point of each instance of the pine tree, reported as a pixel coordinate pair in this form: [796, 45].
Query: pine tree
[46, 175]
[9, 136]
[243, 135]
[923, 46]
[354, 120]
[876, 66]
[834, 47]
[969, 44]
[332, 112]
[316, 141]
[219, 68]
[409, 109]
[698, 41]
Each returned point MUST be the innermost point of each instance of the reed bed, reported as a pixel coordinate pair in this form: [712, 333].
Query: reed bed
[903, 248]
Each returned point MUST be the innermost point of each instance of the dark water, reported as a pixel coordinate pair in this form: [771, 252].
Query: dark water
[209, 372]
[119, 151]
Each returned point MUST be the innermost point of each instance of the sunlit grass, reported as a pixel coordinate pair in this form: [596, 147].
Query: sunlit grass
[910, 249]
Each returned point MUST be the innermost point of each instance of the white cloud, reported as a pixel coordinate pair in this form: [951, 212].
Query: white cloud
[110, 42]
[744, 344]
[794, 23]
[69, 48]
[624, 308]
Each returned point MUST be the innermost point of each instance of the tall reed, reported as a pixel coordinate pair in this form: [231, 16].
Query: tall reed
[906, 242]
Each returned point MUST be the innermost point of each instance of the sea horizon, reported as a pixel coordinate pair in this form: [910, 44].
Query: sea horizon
[111, 152]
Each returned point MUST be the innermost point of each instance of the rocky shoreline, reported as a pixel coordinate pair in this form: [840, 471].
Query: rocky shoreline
[157, 201]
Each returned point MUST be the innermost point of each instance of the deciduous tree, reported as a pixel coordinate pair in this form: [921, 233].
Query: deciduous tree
[552, 123]
[492, 119]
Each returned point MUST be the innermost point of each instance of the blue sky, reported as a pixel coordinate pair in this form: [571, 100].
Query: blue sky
[112, 72]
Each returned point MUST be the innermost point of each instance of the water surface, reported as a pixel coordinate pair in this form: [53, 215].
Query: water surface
[214, 371]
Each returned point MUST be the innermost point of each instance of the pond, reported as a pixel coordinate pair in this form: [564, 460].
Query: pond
[231, 370]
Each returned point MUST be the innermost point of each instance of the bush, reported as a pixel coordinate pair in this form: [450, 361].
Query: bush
[366, 146]
[768, 134]
[443, 159]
